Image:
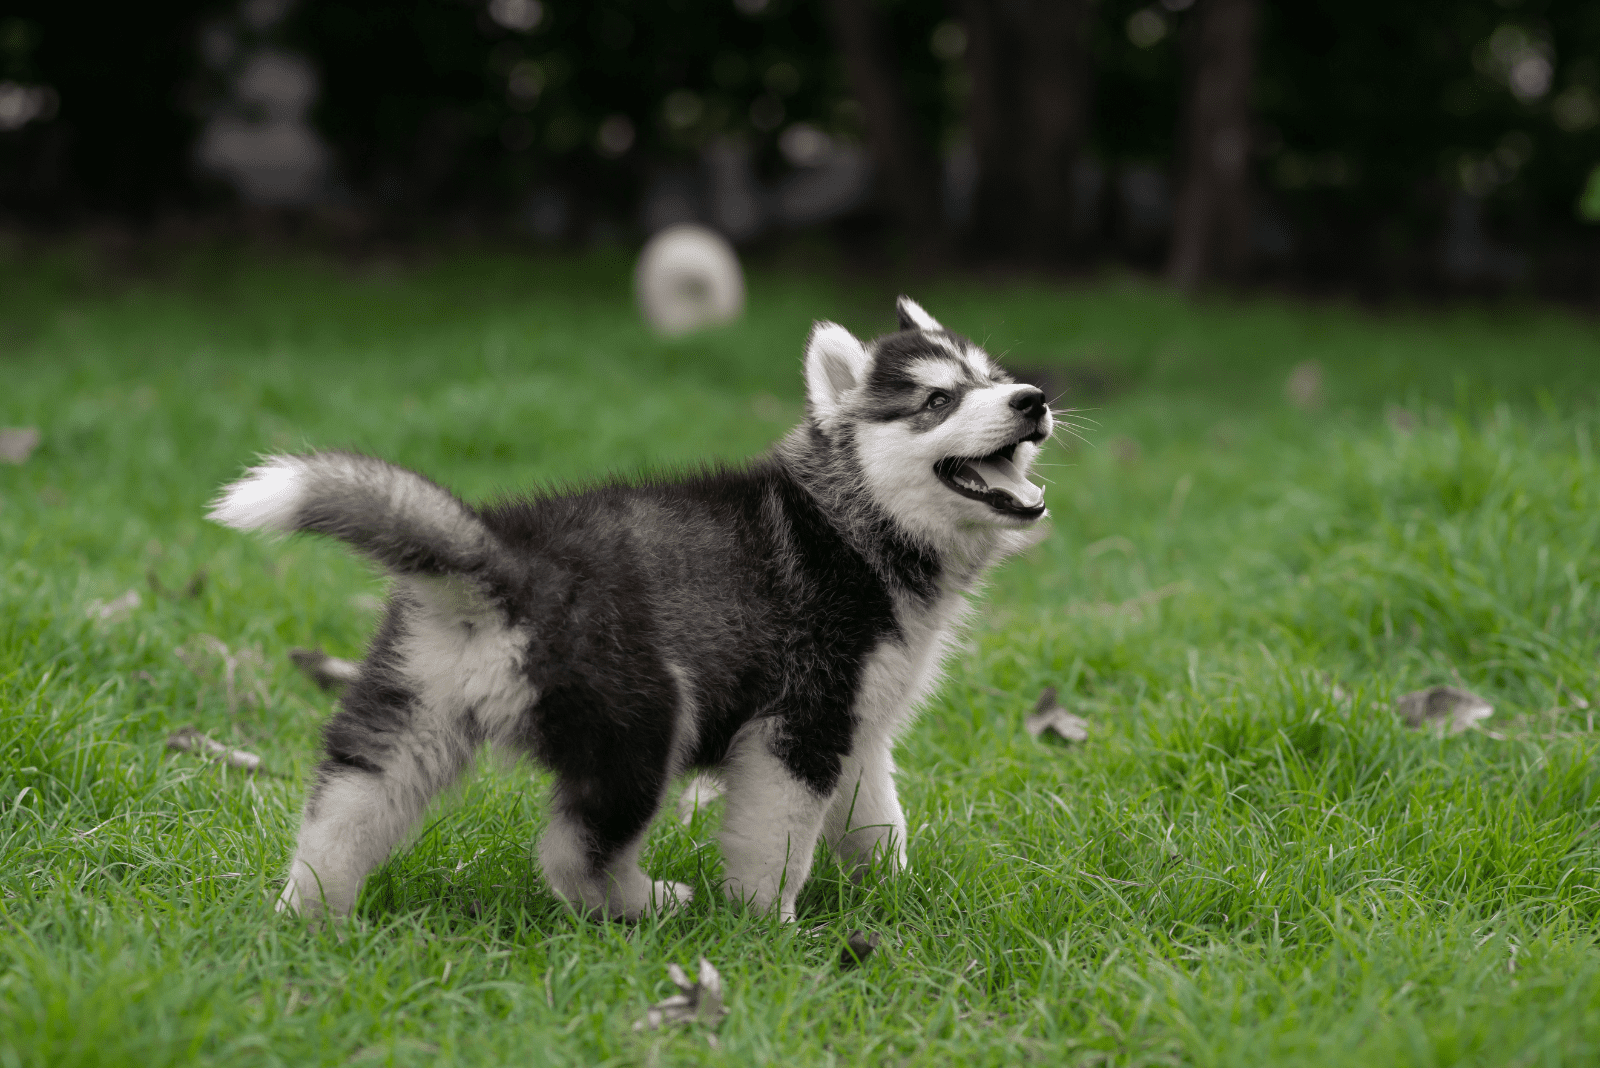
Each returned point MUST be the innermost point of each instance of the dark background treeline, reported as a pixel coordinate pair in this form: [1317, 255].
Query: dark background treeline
[1411, 146]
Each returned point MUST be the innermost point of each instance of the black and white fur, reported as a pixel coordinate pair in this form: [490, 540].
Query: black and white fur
[777, 622]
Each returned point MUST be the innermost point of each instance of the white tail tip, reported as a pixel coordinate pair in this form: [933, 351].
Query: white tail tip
[266, 498]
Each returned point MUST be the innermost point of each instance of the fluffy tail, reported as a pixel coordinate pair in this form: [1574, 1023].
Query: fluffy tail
[405, 522]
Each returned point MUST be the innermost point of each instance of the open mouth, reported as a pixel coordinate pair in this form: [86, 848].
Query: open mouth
[994, 480]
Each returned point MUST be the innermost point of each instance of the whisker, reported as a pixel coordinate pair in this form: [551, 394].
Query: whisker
[1077, 435]
[1067, 424]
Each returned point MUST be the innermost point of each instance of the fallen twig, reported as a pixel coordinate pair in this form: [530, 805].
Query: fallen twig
[189, 740]
[114, 610]
[328, 672]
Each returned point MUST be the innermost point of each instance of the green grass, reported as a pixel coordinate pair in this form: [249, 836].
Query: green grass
[1249, 863]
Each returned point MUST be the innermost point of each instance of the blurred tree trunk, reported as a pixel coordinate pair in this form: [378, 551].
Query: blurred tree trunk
[907, 171]
[1029, 113]
[1211, 229]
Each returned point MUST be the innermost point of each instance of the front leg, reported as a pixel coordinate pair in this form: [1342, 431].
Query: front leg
[864, 821]
[770, 830]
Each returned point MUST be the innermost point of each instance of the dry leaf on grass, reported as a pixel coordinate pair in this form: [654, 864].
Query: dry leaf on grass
[1400, 420]
[189, 740]
[1443, 706]
[17, 443]
[702, 789]
[858, 947]
[328, 672]
[695, 1002]
[1049, 716]
[1304, 387]
[110, 611]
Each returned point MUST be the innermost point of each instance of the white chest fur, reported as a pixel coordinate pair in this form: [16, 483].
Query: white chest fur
[900, 673]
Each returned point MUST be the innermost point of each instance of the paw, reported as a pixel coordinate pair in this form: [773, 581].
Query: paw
[668, 897]
[296, 903]
[308, 907]
[875, 848]
[306, 896]
[877, 865]
[740, 894]
[631, 904]
[759, 896]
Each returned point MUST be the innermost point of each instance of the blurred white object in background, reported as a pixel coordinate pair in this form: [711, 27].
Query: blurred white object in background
[262, 141]
[21, 104]
[688, 277]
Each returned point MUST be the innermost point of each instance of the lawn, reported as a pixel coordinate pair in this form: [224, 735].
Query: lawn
[1250, 861]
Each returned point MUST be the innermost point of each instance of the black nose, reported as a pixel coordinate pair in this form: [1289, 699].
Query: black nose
[1030, 402]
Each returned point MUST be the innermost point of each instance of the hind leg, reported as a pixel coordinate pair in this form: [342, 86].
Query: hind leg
[612, 770]
[369, 793]
[602, 876]
[590, 853]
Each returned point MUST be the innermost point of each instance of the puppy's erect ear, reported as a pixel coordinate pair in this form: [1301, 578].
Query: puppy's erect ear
[912, 317]
[836, 362]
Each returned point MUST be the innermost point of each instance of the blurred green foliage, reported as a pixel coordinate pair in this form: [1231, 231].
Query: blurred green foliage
[122, 136]
[437, 101]
[1372, 116]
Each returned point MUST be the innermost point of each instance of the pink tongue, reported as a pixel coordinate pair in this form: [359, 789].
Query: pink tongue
[1002, 474]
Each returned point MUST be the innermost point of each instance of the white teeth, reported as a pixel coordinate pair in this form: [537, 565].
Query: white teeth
[986, 476]
[968, 476]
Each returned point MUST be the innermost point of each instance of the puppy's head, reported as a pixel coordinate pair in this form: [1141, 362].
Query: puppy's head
[943, 437]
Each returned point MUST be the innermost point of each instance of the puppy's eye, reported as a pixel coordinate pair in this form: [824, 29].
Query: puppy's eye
[937, 399]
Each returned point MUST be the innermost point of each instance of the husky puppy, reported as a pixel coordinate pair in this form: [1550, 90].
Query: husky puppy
[777, 622]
